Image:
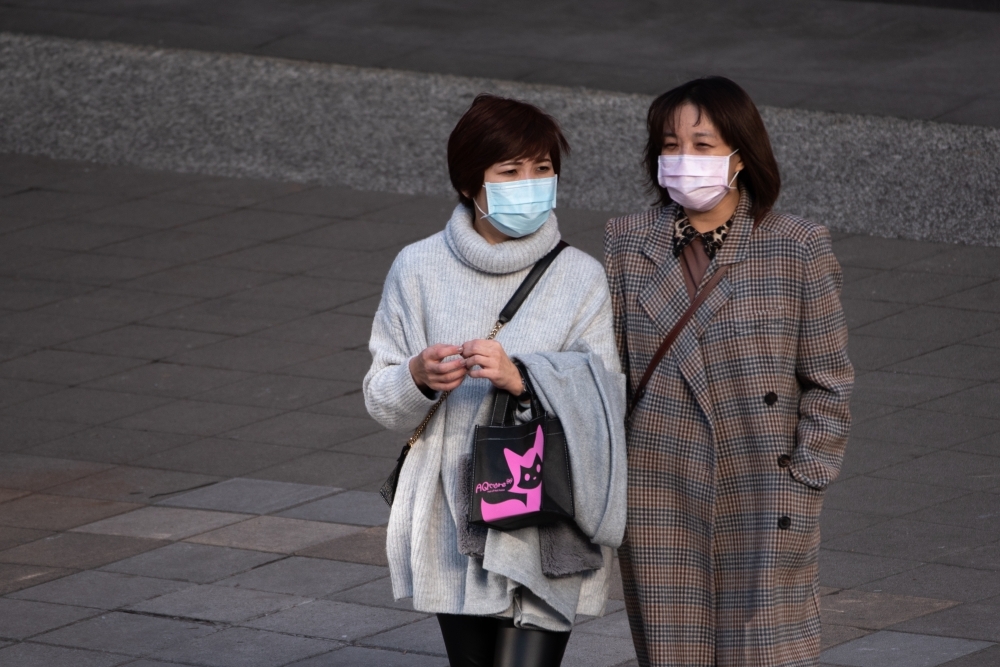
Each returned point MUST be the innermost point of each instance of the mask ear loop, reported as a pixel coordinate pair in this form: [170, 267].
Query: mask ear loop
[730, 185]
[476, 204]
[484, 213]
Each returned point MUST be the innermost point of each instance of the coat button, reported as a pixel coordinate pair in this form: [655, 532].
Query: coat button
[784, 523]
[784, 461]
[771, 398]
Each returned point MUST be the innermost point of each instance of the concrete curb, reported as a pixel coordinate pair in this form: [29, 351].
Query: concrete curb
[384, 130]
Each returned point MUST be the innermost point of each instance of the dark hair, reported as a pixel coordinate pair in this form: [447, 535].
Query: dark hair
[495, 129]
[738, 122]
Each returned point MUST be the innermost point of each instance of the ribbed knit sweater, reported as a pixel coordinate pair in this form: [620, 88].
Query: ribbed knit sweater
[449, 288]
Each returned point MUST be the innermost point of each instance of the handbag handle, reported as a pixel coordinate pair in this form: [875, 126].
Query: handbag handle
[505, 404]
[672, 335]
[506, 315]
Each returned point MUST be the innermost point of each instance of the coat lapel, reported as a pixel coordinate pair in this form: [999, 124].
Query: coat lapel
[733, 251]
[665, 298]
[737, 244]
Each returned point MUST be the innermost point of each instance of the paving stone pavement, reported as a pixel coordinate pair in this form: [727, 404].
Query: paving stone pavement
[188, 474]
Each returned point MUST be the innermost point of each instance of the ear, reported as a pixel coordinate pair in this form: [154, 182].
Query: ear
[738, 166]
[472, 195]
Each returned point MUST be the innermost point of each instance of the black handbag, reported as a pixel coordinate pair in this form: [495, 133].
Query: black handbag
[520, 472]
[388, 489]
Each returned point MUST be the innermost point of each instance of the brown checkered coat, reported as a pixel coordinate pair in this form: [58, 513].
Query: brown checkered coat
[741, 428]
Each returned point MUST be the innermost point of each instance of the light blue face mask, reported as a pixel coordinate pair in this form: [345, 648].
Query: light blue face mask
[519, 208]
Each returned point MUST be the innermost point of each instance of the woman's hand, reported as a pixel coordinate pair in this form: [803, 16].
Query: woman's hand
[431, 371]
[493, 364]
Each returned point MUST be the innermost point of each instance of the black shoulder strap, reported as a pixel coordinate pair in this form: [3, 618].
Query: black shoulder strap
[529, 283]
[388, 489]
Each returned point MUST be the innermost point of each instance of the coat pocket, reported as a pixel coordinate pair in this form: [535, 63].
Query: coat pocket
[754, 321]
[757, 340]
[809, 473]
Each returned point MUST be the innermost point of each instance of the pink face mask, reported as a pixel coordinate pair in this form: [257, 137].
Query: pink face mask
[696, 182]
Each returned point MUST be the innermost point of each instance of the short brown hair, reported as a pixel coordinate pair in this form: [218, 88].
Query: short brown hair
[740, 125]
[495, 129]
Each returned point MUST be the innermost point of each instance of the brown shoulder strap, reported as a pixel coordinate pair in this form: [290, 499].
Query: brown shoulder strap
[699, 299]
[672, 336]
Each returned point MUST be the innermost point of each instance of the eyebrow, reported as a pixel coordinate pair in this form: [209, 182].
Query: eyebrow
[671, 133]
[522, 160]
[697, 135]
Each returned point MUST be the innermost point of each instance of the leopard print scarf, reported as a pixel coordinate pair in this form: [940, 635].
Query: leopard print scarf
[684, 233]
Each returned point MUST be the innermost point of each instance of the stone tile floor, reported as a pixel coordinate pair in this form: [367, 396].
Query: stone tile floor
[188, 474]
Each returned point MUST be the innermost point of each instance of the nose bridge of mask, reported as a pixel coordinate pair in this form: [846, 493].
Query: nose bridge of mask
[696, 165]
[533, 195]
[697, 182]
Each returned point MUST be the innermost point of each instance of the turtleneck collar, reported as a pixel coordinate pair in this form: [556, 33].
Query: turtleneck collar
[507, 257]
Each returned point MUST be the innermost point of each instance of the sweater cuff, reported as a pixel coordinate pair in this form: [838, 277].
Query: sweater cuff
[428, 392]
[409, 400]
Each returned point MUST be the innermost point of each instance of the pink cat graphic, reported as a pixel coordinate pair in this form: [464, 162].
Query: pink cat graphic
[527, 473]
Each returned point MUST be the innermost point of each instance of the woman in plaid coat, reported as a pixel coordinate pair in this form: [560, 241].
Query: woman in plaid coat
[744, 422]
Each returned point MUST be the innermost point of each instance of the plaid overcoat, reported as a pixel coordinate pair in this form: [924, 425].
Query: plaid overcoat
[741, 428]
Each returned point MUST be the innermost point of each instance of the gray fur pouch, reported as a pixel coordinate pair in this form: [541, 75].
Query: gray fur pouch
[471, 538]
[566, 550]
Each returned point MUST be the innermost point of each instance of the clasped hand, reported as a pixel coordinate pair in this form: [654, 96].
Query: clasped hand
[478, 358]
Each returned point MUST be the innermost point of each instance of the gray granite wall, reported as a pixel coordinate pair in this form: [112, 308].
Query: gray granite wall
[385, 130]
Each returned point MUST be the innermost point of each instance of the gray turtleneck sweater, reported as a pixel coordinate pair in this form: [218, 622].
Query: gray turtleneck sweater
[449, 288]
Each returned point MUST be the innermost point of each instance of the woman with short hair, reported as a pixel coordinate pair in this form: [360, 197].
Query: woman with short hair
[734, 343]
[503, 597]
